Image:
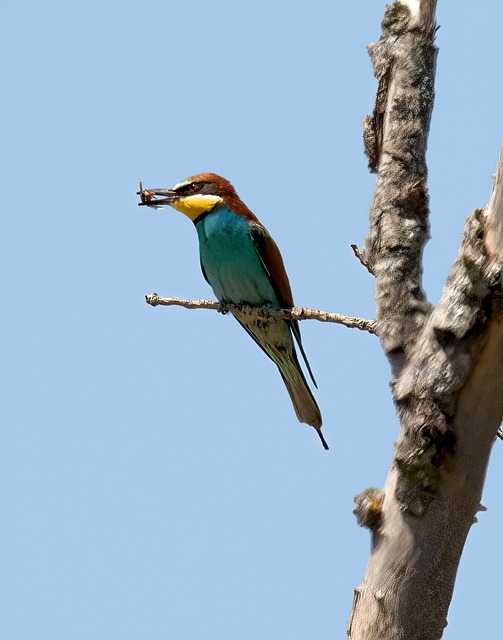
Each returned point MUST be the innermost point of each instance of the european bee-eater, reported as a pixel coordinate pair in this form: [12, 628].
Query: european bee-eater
[243, 265]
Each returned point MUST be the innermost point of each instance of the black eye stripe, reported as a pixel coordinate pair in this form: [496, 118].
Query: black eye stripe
[192, 187]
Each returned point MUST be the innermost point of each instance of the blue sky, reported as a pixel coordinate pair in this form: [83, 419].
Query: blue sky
[155, 482]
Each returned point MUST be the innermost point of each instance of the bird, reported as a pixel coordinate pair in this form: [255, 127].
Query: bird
[243, 265]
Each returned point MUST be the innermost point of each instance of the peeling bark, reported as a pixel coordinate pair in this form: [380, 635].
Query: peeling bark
[447, 359]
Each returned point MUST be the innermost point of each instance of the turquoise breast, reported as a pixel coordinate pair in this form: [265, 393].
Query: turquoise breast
[230, 259]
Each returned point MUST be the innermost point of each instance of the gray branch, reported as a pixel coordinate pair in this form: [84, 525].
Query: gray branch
[404, 64]
[447, 360]
[494, 215]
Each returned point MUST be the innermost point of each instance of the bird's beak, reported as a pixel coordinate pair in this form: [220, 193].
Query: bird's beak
[156, 197]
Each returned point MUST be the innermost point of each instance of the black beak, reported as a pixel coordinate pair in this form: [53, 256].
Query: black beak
[149, 199]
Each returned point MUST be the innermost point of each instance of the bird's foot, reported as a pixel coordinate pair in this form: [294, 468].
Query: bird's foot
[265, 310]
[222, 307]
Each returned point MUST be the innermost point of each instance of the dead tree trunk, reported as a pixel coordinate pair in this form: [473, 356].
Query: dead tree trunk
[447, 359]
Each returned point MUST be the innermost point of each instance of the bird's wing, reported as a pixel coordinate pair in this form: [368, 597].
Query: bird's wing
[272, 262]
[204, 273]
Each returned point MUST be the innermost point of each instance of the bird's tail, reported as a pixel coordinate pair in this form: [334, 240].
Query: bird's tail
[306, 407]
[275, 339]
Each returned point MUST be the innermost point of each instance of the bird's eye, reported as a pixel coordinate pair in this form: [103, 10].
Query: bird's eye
[190, 187]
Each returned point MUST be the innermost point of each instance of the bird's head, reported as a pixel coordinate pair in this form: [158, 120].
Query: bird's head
[194, 196]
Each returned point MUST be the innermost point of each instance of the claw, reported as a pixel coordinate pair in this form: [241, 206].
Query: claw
[264, 311]
[222, 307]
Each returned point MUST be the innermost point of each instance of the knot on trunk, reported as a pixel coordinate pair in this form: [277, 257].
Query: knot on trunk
[368, 509]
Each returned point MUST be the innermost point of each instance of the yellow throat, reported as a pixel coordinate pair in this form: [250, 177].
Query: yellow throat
[195, 205]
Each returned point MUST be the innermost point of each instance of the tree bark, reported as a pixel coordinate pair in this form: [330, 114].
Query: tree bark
[446, 360]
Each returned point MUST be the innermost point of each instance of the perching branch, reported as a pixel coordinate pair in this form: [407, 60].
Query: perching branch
[297, 313]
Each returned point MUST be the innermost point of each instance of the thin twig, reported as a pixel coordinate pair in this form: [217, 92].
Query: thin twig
[297, 313]
[361, 257]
